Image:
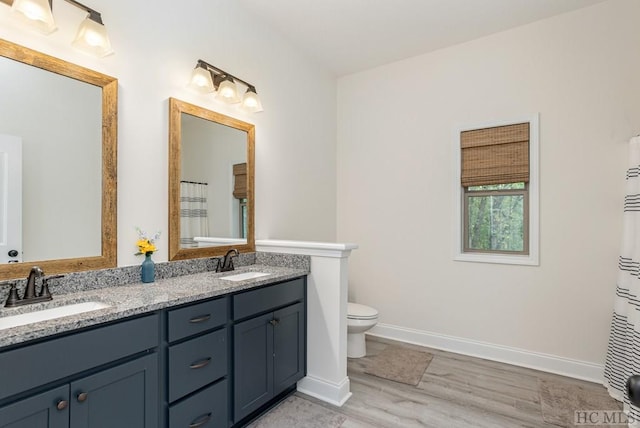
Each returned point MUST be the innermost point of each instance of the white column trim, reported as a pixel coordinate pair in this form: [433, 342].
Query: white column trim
[307, 248]
[329, 392]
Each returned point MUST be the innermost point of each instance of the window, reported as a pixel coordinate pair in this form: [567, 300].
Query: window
[495, 218]
[497, 185]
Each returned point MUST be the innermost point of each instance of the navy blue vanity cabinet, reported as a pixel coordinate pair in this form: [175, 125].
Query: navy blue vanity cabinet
[98, 378]
[197, 365]
[123, 396]
[47, 410]
[269, 344]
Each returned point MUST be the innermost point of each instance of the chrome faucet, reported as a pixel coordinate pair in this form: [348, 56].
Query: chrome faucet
[30, 289]
[227, 263]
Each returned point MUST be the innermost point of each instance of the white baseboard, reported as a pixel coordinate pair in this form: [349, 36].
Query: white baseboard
[329, 392]
[504, 354]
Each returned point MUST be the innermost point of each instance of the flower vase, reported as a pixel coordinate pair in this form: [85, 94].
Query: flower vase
[148, 269]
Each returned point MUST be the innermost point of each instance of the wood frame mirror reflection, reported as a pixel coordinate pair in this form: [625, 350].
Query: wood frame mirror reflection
[177, 110]
[108, 176]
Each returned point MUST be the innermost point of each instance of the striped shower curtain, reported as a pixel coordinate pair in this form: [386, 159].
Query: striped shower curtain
[623, 353]
[194, 219]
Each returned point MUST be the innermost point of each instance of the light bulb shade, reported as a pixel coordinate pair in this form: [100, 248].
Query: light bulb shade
[35, 14]
[201, 80]
[228, 92]
[251, 102]
[92, 39]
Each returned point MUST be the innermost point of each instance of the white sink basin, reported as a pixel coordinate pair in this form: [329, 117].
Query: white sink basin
[49, 314]
[245, 275]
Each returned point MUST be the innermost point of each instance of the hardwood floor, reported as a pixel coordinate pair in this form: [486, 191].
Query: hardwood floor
[455, 391]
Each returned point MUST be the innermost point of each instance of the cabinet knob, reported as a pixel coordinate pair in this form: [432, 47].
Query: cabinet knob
[274, 322]
[200, 421]
[82, 397]
[62, 404]
[13, 253]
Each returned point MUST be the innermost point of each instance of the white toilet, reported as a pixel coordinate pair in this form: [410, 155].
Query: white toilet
[360, 318]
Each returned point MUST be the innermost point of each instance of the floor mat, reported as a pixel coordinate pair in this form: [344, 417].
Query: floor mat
[400, 364]
[297, 412]
[560, 400]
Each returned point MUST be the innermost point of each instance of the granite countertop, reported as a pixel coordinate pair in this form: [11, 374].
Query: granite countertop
[138, 298]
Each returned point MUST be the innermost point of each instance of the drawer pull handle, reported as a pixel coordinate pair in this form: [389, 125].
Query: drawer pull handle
[82, 397]
[62, 404]
[200, 421]
[201, 318]
[200, 364]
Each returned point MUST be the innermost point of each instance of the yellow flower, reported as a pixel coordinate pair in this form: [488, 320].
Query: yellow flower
[145, 244]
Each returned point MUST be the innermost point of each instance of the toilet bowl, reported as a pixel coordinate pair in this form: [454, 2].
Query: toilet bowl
[360, 318]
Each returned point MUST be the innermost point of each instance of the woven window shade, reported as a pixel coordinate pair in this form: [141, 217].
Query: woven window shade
[240, 181]
[495, 155]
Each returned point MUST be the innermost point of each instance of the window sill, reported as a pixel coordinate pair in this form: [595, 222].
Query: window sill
[505, 259]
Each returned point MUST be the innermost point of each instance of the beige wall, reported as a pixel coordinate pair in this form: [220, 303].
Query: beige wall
[579, 71]
[394, 157]
[156, 49]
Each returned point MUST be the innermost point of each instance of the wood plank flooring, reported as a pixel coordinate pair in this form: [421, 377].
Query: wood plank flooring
[455, 391]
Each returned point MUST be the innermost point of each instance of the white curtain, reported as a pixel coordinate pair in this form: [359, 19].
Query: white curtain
[194, 219]
[623, 353]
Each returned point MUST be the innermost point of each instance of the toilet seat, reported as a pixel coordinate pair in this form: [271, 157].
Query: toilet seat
[356, 311]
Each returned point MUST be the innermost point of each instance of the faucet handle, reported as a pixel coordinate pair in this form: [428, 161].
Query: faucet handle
[13, 297]
[44, 291]
[218, 261]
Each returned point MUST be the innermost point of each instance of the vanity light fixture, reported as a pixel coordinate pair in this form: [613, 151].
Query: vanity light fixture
[36, 14]
[91, 38]
[207, 78]
[250, 101]
[228, 91]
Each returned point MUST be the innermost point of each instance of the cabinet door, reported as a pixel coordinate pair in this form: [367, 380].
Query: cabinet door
[288, 347]
[47, 410]
[253, 364]
[123, 396]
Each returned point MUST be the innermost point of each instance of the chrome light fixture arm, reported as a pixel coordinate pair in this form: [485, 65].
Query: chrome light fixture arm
[207, 78]
[94, 15]
[217, 74]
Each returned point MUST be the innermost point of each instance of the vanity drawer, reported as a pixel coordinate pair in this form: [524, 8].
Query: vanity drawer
[207, 409]
[259, 300]
[197, 362]
[38, 364]
[197, 318]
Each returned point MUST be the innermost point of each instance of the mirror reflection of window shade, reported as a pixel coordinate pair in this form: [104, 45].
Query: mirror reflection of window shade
[240, 180]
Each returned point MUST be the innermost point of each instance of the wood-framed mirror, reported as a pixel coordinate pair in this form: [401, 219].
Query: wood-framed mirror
[58, 131]
[211, 182]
